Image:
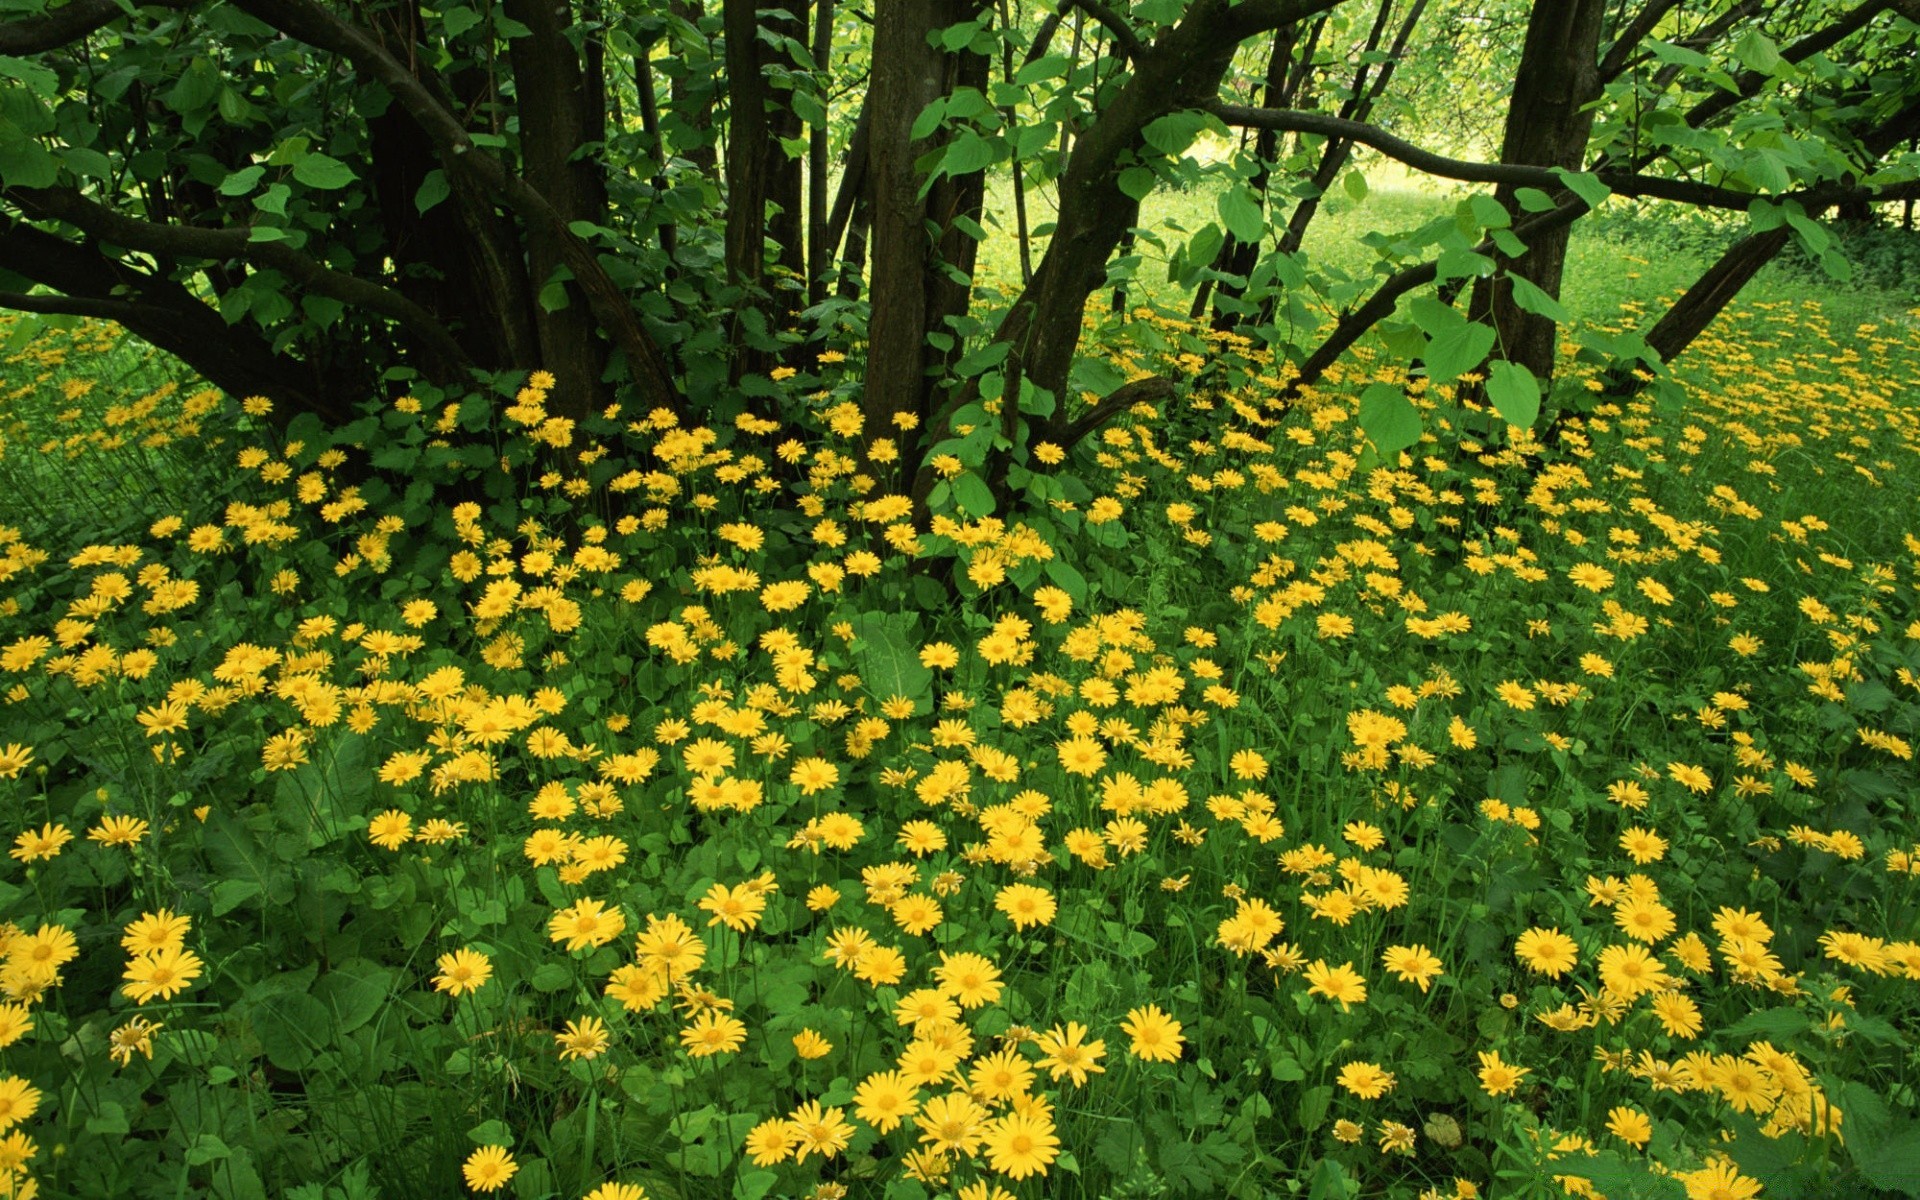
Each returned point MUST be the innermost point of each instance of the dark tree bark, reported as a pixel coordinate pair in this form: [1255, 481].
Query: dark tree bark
[462, 259]
[1181, 69]
[1547, 125]
[819, 254]
[233, 358]
[555, 122]
[910, 292]
[759, 172]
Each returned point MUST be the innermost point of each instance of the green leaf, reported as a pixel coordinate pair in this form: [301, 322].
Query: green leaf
[972, 494]
[241, 182]
[1757, 51]
[1587, 187]
[929, 119]
[458, 19]
[1356, 185]
[1240, 211]
[1490, 213]
[433, 189]
[1769, 1024]
[1892, 1160]
[1389, 419]
[23, 161]
[42, 81]
[1515, 393]
[323, 171]
[968, 153]
[1532, 298]
[1533, 200]
[1622, 1179]
[886, 649]
[353, 992]
[1455, 345]
[1173, 133]
[1136, 182]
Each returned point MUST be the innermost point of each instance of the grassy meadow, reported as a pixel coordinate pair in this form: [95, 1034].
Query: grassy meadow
[470, 801]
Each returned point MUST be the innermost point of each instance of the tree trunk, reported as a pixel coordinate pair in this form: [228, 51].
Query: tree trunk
[1547, 125]
[911, 295]
[759, 173]
[554, 124]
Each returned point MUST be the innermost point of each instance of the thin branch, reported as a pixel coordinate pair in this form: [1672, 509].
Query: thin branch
[1115, 24]
[1624, 183]
[1620, 54]
[91, 217]
[74, 306]
[67, 24]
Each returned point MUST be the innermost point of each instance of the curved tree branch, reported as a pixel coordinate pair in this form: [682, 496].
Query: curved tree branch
[91, 217]
[234, 358]
[311, 23]
[1624, 183]
[1115, 24]
[68, 23]
[1066, 434]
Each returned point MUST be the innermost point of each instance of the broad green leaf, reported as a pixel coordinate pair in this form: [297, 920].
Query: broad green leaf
[43, 81]
[1490, 213]
[886, 648]
[433, 189]
[1587, 187]
[1757, 51]
[23, 161]
[241, 182]
[1533, 200]
[1240, 211]
[1389, 419]
[930, 118]
[323, 171]
[968, 153]
[1173, 133]
[972, 494]
[1532, 298]
[1356, 185]
[1514, 392]
[1458, 351]
[457, 19]
[1136, 182]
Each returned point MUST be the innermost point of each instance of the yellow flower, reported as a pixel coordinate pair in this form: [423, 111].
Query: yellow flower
[1156, 1036]
[161, 974]
[1413, 964]
[135, 1037]
[152, 932]
[713, 1032]
[18, 1101]
[1497, 1078]
[1019, 1145]
[586, 923]
[47, 843]
[583, 1038]
[1366, 1080]
[809, 1043]
[462, 971]
[1547, 952]
[1630, 1125]
[390, 830]
[1341, 984]
[488, 1168]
